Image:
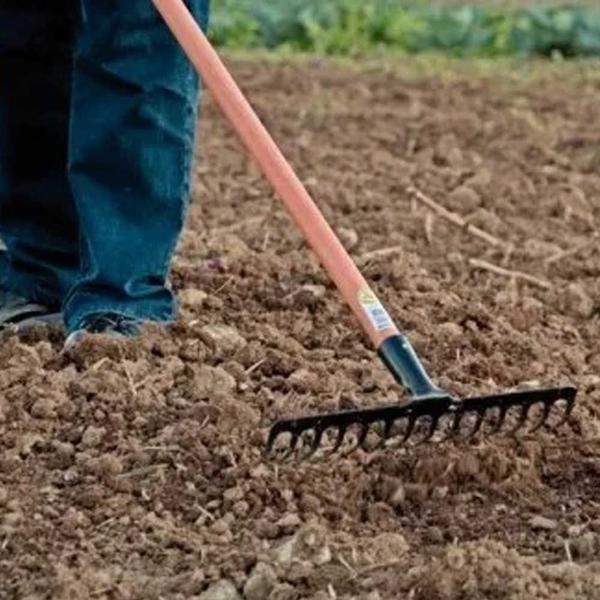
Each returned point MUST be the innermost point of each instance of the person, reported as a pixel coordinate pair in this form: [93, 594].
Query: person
[98, 107]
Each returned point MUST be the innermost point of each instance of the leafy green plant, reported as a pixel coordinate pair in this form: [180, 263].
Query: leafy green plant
[232, 25]
[359, 26]
[339, 28]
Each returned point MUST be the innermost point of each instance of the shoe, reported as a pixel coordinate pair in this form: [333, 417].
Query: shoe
[107, 325]
[17, 311]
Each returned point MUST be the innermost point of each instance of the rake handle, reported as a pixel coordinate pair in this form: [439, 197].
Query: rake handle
[321, 237]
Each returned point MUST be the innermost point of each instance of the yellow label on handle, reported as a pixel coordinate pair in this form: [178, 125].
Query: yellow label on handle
[376, 313]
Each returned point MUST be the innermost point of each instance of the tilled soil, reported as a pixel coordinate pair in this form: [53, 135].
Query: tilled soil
[134, 470]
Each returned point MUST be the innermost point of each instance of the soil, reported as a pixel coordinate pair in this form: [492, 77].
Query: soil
[133, 470]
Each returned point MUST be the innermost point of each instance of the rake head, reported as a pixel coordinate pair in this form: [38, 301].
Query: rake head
[432, 419]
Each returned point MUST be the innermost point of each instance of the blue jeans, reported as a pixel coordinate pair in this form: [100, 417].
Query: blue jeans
[98, 108]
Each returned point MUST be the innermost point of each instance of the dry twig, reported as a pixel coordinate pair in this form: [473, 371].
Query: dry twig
[347, 565]
[486, 266]
[571, 251]
[238, 225]
[568, 551]
[381, 252]
[129, 377]
[457, 220]
[255, 366]
[382, 565]
[141, 471]
[99, 364]
[223, 286]
[429, 218]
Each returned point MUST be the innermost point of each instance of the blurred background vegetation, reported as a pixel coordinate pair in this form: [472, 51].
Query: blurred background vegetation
[350, 27]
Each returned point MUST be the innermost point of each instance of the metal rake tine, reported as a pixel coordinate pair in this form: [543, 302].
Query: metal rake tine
[360, 441]
[444, 427]
[570, 407]
[492, 421]
[381, 433]
[271, 442]
[522, 417]
[435, 419]
[385, 434]
[567, 412]
[312, 444]
[477, 426]
[542, 422]
[401, 436]
[316, 442]
[387, 430]
[501, 419]
[412, 421]
[456, 429]
[340, 438]
[285, 452]
[294, 440]
[474, 428]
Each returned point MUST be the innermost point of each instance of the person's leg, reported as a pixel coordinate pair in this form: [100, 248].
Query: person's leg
[132, 137]
[4, 152]
[38, 223]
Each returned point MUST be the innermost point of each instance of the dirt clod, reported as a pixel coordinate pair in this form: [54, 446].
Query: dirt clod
[586, 545]
[464, 200]
[93, 436]
[222, 590]
[222, 339]
[542, 523]
[261, 582]
[577, 301]
[348, 237]
[192, 298]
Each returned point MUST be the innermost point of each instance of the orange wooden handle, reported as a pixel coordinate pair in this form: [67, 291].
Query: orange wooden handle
[342, 270]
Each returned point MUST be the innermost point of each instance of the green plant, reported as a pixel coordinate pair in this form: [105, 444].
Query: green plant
[359, 26]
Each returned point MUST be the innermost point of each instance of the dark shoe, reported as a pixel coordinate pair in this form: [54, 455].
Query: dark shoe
[107, 325]
[16, 311]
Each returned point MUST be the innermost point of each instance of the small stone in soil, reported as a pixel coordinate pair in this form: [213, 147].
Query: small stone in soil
[93, 437]
[464, 200]
[435, 535]
[222, 339]
[578, 302]
[222, 590]
[283, 591]
[576, 530]
[318, 291]
[210, 381]
[261, 582]
[289, 521]
[192, 297]
[542, 523]
[348, 237]
[585, 545]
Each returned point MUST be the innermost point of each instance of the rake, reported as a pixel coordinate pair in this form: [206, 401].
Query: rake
[429, 413]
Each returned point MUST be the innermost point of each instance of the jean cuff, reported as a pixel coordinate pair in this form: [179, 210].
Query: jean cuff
[75, 316]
